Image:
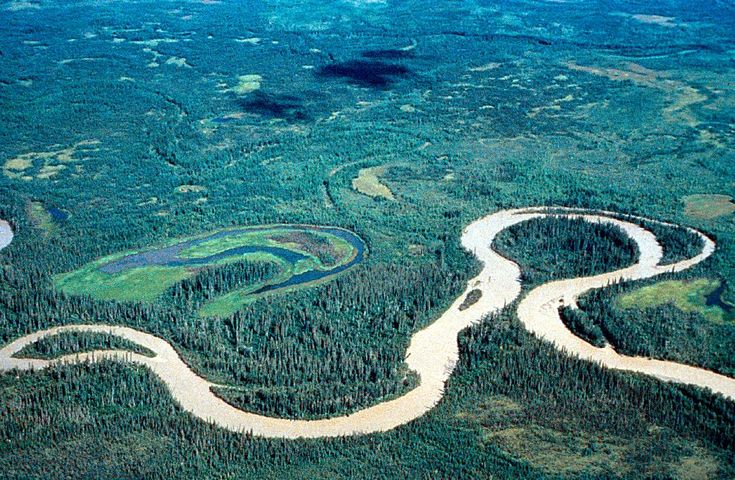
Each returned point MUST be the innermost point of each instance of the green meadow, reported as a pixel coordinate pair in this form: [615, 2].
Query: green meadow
[689, 296]
[132, 126]
[145, 280]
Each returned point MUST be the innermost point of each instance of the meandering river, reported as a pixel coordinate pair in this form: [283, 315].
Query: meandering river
[433, 351]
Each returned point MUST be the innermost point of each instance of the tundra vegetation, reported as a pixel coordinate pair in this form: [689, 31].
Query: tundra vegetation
[132, 126]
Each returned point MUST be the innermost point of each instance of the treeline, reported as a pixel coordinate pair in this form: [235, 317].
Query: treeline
[677, 242]
[583, 326]
[66, 343]
[549, 248]
[327, 399]
[214, 280]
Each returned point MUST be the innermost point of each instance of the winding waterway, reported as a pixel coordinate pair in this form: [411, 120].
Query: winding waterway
[433, 351]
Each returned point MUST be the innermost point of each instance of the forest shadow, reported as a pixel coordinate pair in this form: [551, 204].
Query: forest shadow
[366, 73]
[269, 105]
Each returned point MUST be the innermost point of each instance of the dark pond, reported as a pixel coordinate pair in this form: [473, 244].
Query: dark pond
[715, 299]
[56, 214]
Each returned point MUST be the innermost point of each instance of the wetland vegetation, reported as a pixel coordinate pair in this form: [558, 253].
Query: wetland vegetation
[132, 127]
[276, 258]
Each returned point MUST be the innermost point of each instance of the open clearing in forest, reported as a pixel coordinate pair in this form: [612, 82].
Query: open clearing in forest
[246, 84]
[682, 96]
[708, 206]
[700, 296]
[304, 255]
[47, 164]
[368, 183]
[41, 218]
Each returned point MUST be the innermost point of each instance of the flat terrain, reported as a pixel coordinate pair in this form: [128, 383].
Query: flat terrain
[130, 127]
[699, 296]
[433, 351]
[301, 254]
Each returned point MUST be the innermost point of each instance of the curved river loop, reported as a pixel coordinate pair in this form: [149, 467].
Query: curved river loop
[433, 351]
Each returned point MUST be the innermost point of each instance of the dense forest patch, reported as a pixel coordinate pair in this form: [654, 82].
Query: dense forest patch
[316, 400]
[66, 343]
[677, 242]
[327, 350]
[553, 248]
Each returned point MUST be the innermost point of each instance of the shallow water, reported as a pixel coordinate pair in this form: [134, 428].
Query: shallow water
[169, 256]
[714, 299]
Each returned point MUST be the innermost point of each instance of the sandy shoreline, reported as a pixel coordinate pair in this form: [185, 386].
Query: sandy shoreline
[433, 351]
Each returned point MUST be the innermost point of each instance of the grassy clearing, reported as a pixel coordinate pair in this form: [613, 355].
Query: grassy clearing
[41, 218]
[47, 164]
[190, 189]
[707, 207]
[247, 84]
[682, 95]
[18, 163]
[503, 424]
[178, 61]
[229, 303]
[368, 183]
[139, 284]
[554, 451]
[562, 450]
[270, 238]
[212, 247]
[699, 465]
[226, 305]
[687, 296]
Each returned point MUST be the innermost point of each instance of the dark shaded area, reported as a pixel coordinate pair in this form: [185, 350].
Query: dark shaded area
[57, 214]
[388, 54]
[285, 107]
[715, 299]
[221, 120]
[366, 73]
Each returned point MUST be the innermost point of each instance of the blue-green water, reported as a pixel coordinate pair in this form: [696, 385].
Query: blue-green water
[170, 256]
